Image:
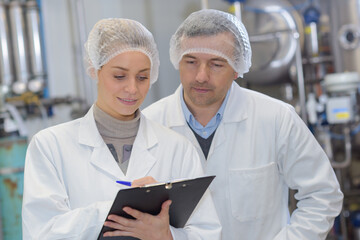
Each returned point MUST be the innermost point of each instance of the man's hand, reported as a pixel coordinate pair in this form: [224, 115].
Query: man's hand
[145, 226]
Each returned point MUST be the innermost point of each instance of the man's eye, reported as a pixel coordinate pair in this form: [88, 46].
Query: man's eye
[190, 62]
[217, 65]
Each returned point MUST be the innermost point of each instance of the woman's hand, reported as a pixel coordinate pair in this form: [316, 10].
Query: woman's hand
[143, 181]
[145, 226]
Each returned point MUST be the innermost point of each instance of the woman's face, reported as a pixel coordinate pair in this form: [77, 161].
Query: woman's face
[123, 83]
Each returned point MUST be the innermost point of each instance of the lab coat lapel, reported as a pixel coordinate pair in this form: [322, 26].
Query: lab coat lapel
[176, 118]
[219, 139]
[177, 121]
[237, 107]
[100, 157]
[236, 101]
[141, 160]
[103, 159]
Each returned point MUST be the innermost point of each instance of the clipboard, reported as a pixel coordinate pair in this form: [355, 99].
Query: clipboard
[185, 195]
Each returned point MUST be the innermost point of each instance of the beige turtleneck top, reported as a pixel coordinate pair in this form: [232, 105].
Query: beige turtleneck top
[118, 135]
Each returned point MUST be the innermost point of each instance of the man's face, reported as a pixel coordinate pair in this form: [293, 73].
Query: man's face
[205, 77]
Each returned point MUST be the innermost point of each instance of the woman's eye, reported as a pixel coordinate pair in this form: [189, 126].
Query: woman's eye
[119, 76]
[142, 78]
[190, 62]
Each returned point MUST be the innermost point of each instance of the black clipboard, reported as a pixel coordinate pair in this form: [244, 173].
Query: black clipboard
[185, 195]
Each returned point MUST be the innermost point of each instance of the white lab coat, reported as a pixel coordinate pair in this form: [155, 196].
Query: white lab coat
[260, 149]
[70, 174]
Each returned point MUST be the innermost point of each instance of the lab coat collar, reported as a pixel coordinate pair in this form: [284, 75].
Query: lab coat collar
[236, 110]
[237, 100]
[237, 107]
[88, 132]
[177, 118]
[141, 160]
[101, 156]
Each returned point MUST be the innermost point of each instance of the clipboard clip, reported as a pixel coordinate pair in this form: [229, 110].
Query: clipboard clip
[168, 185]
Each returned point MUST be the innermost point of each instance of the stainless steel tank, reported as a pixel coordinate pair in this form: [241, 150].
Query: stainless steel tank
[271, 26]
[345, 31]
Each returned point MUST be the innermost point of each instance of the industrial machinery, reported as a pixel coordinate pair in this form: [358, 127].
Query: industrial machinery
[22, 73]
[307, 54]
[22, 45]
[13, 147]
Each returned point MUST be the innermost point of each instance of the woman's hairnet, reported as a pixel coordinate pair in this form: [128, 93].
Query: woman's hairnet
[196, 34]
[110, 37]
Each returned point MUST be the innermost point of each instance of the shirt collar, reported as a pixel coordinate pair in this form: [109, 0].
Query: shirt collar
[190, 117]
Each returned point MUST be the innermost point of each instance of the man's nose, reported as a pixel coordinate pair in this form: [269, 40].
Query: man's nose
[202, 74]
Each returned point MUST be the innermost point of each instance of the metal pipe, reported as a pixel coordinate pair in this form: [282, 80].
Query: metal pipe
[311, 40]
[19, 47]
[6, 75]
[300, 77]
[35, 47]
[343, 224]
[347, 143]
[237, 8]
[204, 4]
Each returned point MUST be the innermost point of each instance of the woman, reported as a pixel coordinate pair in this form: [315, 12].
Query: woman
[71, 169]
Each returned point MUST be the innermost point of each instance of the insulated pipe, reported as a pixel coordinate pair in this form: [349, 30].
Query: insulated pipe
[237, 7]
[35, 47]
[311, 40]
[300, 78]
[204, 4]
[19, 47]
[6, 75]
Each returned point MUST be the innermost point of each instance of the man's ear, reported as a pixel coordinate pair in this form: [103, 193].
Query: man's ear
[236, 75]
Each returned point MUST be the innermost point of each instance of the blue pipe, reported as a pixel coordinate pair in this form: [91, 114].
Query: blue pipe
[12, 155]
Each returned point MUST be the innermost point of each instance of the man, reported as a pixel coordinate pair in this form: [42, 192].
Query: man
[257, 146]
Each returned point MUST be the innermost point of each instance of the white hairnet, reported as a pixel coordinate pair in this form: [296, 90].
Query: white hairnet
[194, 36]
[110, 37]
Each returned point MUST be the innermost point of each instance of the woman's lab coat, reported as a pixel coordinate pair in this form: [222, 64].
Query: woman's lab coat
[70, 175]
[260, 149]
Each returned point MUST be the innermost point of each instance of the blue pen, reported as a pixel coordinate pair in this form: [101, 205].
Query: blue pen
[126, 183]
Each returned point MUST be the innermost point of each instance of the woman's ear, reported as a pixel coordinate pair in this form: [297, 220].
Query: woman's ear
[93, 73]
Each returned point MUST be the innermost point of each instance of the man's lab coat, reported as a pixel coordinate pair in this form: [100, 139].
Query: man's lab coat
[70, 179]
[260, 150]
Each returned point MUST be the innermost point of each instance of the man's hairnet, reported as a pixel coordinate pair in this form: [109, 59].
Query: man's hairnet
[110, 37]
[196, 35]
